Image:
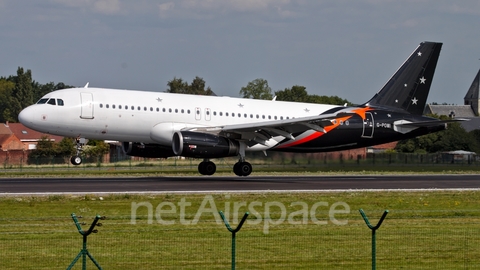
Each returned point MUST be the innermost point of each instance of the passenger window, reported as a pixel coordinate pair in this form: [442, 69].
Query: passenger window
[183, 111]
[226, 114]
[126, 107]
[158, 109]
[221, 113]
[106, 106]
[188, 111]
[139, 108]
[145, 108]
[42, 101]
[214, 113]
[59, 102]
[51, 101]
[170, 110]
[163, 110]
[239, 115]
[151, 109]
[176, 110]
[113, 106]
[119, 106]
[101, 105]
[133, 108]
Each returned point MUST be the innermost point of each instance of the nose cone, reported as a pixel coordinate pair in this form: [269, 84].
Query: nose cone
[27, 116]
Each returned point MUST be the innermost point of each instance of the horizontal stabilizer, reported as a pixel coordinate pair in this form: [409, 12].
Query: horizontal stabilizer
[432, 123]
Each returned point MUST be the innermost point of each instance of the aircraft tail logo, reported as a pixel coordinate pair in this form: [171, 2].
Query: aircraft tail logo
[408, 88]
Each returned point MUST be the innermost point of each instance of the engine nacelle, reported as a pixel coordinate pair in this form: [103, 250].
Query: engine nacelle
[203, 145]
[147, 150]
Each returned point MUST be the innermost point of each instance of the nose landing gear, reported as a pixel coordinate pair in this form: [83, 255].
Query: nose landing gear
[77, 159]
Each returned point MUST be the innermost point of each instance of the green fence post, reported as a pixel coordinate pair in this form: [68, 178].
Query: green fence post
[233, 231]
[374, 229]
[84, 252]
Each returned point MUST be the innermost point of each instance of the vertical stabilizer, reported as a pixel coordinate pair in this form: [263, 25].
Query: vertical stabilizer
[473, 95]
[409, 86]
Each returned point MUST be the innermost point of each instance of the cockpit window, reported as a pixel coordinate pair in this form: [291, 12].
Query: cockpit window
[59, 102]
[42, 101]
[51, 101]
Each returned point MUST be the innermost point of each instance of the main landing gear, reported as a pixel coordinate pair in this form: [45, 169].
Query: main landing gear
[241, 168]
[206, 167]
[77, 159]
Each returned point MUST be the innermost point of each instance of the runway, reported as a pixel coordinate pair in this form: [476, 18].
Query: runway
[235, 184]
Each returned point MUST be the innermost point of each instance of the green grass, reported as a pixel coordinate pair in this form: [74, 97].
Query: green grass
[424, 230]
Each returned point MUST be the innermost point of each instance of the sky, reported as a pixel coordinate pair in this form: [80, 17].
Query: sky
[338, 47]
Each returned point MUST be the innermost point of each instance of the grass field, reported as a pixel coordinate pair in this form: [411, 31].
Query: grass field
[423, 230]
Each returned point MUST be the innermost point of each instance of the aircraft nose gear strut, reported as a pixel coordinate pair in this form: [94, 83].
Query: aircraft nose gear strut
[77, 159]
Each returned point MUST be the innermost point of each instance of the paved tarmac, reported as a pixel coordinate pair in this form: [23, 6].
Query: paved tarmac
[251, 183]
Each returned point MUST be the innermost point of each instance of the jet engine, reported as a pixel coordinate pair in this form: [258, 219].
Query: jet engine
[203, 145]
[147, 150]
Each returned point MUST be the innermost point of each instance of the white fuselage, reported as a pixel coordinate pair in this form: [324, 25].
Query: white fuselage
[150, 117]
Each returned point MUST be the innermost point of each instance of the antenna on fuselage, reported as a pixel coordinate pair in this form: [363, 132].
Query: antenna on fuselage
[86, 85]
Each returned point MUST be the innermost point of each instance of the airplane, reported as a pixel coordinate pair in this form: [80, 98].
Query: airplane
[161, 125]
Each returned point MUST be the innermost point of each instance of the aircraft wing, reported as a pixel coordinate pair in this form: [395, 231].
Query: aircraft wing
[263, 131]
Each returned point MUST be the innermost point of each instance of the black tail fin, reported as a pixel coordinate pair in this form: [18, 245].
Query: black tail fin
[409, 86]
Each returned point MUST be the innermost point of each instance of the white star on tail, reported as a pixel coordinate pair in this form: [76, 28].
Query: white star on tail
[419, 53]
[414, 100]
[423, 80]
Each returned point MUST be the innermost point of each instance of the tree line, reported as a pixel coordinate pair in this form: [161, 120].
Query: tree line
[20, 90]
[256, 89]
[455, 137]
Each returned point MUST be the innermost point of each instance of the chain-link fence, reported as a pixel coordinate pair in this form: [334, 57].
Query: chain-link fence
[274, 161]
[419, 243]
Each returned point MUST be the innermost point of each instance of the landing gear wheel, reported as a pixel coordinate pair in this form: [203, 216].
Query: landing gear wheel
[207, 168]
[242, 168]
[76, 160]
